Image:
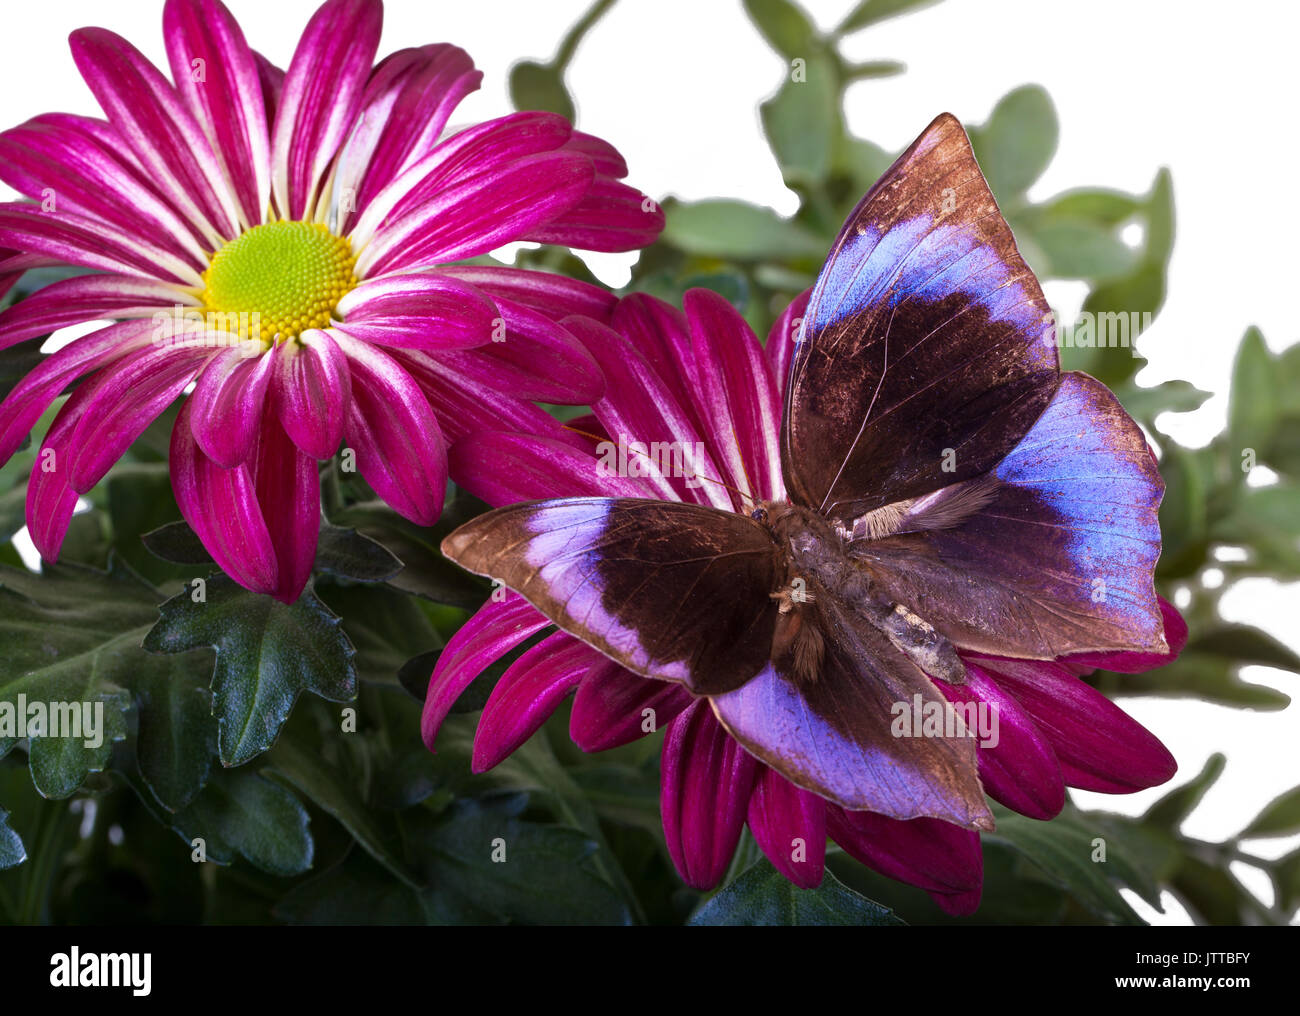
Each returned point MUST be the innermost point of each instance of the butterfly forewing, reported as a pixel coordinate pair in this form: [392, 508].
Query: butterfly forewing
[672, 591]
[926, 351]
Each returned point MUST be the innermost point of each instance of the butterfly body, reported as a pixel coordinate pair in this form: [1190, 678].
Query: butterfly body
[815, 563]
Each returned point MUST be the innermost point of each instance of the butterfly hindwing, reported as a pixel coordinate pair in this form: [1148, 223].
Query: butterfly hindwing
[1061, 558]
[926, 351]
[673, 591]
[836, 736]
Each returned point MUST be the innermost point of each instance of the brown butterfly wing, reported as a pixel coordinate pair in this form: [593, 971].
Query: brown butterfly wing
[836, 736]
[672, 591]
[925, 352]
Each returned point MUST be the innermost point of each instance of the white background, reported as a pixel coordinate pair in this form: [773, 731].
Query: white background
[1208, 89]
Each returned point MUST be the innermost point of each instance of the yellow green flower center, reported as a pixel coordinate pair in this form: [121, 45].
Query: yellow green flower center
[278, 279]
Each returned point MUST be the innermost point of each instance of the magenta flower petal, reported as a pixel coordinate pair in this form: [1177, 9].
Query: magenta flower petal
[86, 298]
[72, 239]
[391, 426]
[163, 136]
[705, 782]
[311, 390]
[783, 336]
[224, 93]
[790, 825]
[51, 500]
[556, 296]
[122, 402]
[226, 414]
[479, 215]
[497, 628]
[614, 707]
[611, 217]
[405, 108]
[528, 692]
[1135, 663]
[222, 508]
[737, 393]
[639, 406]
[604, 156]
[75, 163]
[271, 78]
[1100, 747]
[536, 359]
[287, 484]
[935, 855]
[506, 468]
[1021, 770]
[419, 311]
[34, 393]
[320, 99]
[484, 149]
[464, 406]
[660, 331]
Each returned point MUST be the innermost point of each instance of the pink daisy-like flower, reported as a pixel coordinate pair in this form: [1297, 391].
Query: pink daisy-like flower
[282, 241]
[701, 380]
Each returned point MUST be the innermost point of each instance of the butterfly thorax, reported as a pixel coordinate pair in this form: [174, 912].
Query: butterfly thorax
[814, 563]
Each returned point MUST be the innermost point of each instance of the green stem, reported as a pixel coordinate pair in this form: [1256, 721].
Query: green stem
[570, 44]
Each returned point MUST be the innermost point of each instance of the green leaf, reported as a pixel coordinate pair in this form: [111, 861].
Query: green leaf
[1183, 513]
[540, 86]
[324, 786]
[869, 12]
[268, 653]
[872, 69]
[1171, 810]
[12, 851]
[802, 120]
[1280, 817]
[386, 627]
[1017, 142]
[71, 637]
[1104, 207]
[486, 854]
[354, 892]
[425, 571]
[1160, 219]
[763, 896]
[241, 814]
[1253, 403]
[1286, 878]
[1064, 852]
[1204, 676]
[178, 543]
[1077, 249]
[784, 25]
[177, 736]
[1245, 644]
[1146, 403]
[738, 231]
[352, 555]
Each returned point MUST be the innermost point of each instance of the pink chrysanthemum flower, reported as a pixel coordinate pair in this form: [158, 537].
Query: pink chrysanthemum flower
[282, 241]
[701, 380]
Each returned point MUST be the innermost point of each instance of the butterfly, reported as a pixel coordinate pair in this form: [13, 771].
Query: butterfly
[947, 488]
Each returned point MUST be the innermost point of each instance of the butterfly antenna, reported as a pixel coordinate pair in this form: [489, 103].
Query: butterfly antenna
[699, 476]
[743, 470]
